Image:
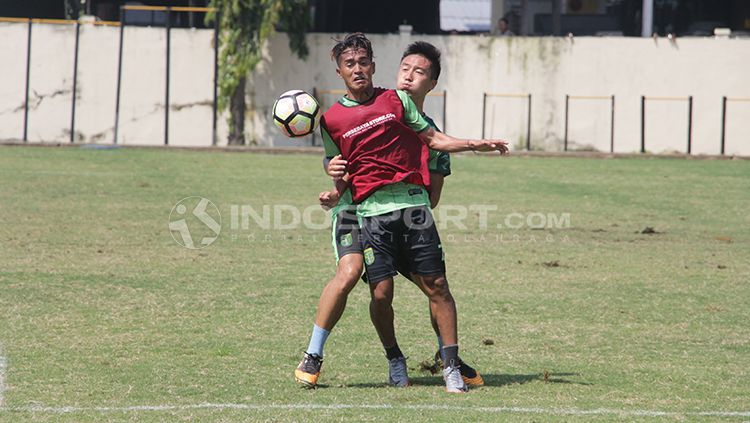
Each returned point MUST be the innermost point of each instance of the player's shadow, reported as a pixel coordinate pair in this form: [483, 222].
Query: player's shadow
[490, 379]
[561, 378]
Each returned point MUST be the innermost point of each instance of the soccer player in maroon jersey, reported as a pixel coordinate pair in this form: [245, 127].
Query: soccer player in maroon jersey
[418, 74]
[375, 130]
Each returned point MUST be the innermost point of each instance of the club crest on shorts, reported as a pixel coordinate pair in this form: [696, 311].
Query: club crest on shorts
[346, 240]
[369, 256]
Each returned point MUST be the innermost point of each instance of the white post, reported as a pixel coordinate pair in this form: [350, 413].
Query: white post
[647, 22]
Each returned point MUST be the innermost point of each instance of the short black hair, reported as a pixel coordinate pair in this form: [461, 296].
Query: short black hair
[430, 52]
[356, 41]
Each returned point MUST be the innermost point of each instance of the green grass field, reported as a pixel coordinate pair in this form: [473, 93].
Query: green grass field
[103, 316]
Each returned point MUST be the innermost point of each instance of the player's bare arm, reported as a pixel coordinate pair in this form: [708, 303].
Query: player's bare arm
[336, 168]
[446, 143]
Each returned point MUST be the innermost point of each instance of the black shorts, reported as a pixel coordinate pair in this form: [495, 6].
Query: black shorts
[402, 266]
[347, 238]
[403, 241]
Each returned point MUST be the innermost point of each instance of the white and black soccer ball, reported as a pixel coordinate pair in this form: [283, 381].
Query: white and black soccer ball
[296, 113]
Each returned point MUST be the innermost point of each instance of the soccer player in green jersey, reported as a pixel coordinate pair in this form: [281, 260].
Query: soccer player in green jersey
[418, 75]
[353, 58]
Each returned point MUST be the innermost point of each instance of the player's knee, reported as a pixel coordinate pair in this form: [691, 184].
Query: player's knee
[381, 297]
[437, 286]
[349, 273]
[340, 287]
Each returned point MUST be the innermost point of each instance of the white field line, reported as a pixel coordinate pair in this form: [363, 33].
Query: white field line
[425, 407]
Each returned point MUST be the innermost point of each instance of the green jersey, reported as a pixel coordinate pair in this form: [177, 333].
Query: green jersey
[440, 162]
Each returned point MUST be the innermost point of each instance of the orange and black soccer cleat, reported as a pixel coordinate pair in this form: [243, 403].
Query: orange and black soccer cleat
[470, 376]
[308, 371]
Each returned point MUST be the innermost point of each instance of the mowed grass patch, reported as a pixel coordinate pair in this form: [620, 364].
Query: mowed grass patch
[566, 300]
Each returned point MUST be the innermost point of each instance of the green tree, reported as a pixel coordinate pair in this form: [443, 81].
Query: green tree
[244, 25]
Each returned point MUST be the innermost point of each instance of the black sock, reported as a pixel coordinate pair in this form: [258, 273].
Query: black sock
[450, 353]
[393, 352]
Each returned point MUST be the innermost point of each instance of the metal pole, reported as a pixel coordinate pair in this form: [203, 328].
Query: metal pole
[484, 112]
[28, 75]
[75, 84]
[690, 123]
[528, 126]
[445, 109]
[723, 122]
[643, 124]
[612, 127]
[647, 18]
[191, 15]
[565, 142]
[215, 106]
[119, 72]
[166, 93]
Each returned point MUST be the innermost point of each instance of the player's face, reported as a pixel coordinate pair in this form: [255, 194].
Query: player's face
[415, 76]
[356, 69]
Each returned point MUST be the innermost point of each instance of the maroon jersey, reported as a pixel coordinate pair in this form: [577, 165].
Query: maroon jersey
[377, 139]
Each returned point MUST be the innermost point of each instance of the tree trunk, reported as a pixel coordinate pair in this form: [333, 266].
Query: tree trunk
[237, 109]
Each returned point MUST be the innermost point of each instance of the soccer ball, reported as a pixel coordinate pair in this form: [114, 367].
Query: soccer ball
[296, 113]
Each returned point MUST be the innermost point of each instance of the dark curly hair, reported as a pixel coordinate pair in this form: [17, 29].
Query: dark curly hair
[356, 41]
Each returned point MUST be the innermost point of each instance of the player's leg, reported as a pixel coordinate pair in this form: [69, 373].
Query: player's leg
[381, 314]
[433, 322]
[379, 256]
[443, 308]
[333, 298]
[469, 374]
[427, 263]
[403, 269]
[381, 311]
[332, 302]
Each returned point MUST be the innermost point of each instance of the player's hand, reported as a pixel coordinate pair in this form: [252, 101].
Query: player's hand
[328, 199]
[336, 167]
[491, 145]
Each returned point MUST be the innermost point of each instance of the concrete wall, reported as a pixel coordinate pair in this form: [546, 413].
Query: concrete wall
[141, 120]
[548, 68]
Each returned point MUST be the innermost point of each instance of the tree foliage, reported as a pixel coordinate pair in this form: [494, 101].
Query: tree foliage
[244, 25]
